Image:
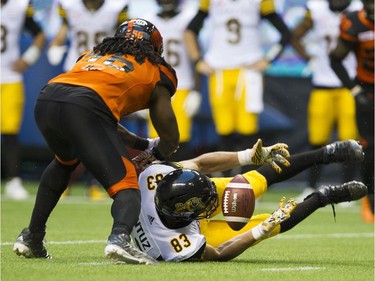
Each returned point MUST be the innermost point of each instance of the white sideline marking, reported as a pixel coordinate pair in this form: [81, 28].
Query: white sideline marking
[329, 235]
[77, 242]
[281, 236]
[95, 263]
[303, 268]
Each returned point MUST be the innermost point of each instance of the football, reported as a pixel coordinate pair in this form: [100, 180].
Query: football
[238, 202]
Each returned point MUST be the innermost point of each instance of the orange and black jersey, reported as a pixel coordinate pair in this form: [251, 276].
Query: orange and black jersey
[123, 84]
[358, 33]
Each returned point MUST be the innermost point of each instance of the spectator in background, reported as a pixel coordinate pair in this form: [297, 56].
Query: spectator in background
[172, 21]
[357, 36]
[78, 114]
[330, 103]
[234, 63]
[84, 24]
[16, 16]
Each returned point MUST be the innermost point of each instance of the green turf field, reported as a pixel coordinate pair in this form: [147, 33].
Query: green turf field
[317, 249]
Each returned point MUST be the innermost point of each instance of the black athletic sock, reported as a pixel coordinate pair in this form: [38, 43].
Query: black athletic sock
[10, 167]
[302, 211]
[54, 181]
[298, 163]
[125, 210]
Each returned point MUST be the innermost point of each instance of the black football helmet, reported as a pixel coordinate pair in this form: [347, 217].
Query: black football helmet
[185, 195]
[338, 5]
[168, 5]
[138, 29]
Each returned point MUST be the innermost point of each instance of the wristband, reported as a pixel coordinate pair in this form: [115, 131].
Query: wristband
[244, 157]
[157, 153]
[258, 232]
[31, 55]
[356, 90]
[274, 52]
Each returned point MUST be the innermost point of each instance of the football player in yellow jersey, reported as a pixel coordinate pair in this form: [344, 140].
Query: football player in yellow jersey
[172, 228]
[331, 105]
[234, 62]
[16, 16]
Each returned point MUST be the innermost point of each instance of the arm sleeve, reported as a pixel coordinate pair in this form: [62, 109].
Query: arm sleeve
[30, 24]
[196, 23]
[280, 25]
[336, 58]
[168, 79]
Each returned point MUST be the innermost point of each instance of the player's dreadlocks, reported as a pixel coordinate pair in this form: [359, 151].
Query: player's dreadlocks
[139, 49]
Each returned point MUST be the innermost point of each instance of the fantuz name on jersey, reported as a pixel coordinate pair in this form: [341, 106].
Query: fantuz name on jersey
[141, 240]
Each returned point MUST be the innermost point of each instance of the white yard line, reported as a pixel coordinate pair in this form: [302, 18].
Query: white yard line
[281, 236]
[302, 268]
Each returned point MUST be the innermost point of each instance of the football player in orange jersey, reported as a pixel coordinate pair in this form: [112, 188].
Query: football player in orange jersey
[78, 114]
[357, 36]
[84, 23]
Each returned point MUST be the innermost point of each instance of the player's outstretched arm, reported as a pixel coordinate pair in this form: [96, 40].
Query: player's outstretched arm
[258, 155]
[238, 244]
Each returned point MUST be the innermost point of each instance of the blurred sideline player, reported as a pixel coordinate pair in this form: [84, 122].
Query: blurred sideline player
[357, 36]
[174, 198]
[85, 23]
[171, 20]
[234, 62]
[330, 105]
[16, 16]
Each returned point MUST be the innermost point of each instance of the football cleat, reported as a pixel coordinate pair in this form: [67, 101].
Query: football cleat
[350, 191]
[119, 249]
[280, 215]
[31, 245]
[341, 151]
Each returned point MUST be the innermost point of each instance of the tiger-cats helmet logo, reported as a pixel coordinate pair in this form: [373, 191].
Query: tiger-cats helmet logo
[192, 205]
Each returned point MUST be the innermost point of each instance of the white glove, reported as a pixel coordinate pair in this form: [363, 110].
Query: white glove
[142, 114]
[281, 214]
[55, 54]
[144, 159]
[192, 103]
[260, 155]
[153, 142]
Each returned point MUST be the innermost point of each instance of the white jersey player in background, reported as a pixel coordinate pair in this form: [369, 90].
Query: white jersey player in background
[234, 62]
[331, 105]
[16, 16]
[84, 24]
[172, 20]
